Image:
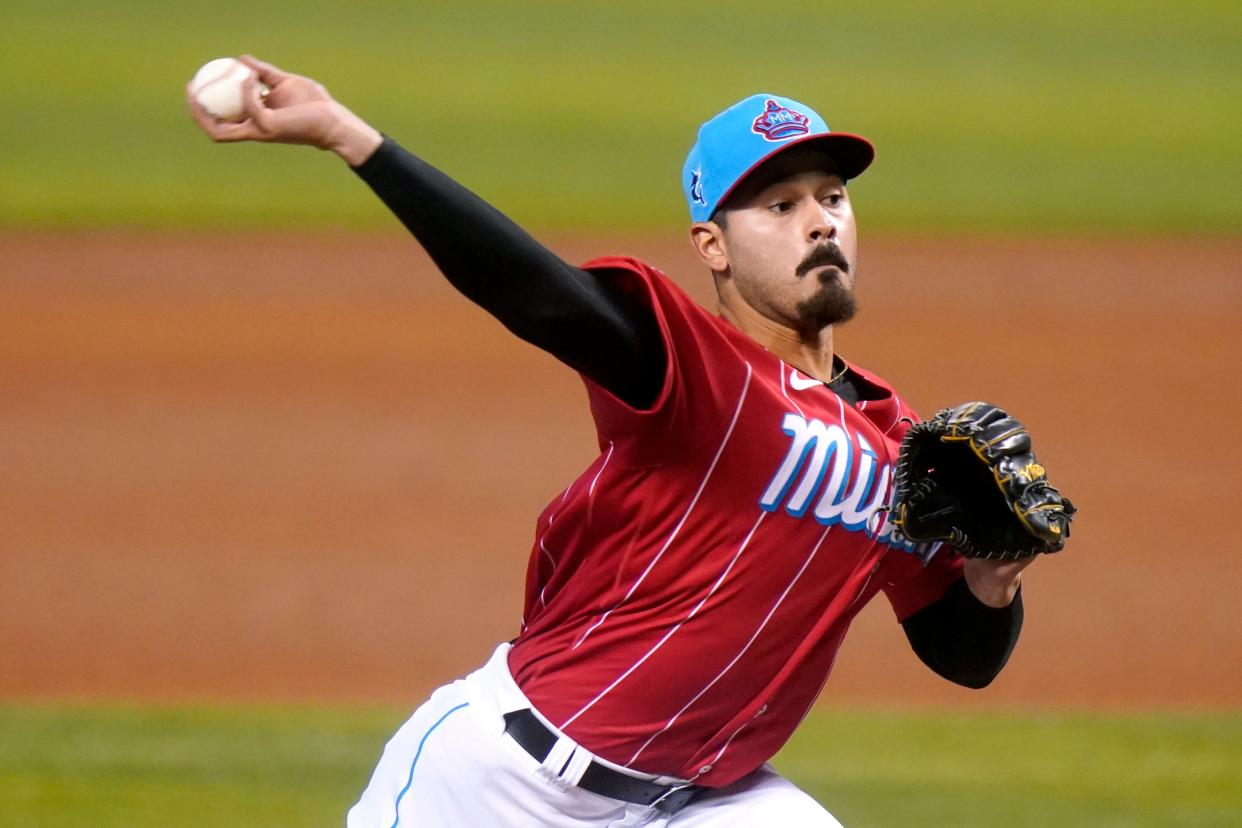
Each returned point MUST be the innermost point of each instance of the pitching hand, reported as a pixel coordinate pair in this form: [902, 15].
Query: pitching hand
[295, 110]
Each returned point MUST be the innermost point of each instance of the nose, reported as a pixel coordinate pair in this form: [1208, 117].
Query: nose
[820, 226]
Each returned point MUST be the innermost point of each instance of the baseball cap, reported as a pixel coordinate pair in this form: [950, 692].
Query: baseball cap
[735, 142]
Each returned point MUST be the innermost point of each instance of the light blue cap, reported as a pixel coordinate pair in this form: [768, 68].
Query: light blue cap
[735, 142]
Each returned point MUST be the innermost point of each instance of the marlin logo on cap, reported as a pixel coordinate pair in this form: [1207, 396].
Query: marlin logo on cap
[696, 186]
[778, 123]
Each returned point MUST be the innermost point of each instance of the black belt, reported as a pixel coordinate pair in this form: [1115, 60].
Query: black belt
[537, 740]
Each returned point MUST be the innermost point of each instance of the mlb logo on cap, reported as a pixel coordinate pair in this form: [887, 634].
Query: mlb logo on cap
[735, 142]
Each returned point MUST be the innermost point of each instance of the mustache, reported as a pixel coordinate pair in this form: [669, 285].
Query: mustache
[825, 254]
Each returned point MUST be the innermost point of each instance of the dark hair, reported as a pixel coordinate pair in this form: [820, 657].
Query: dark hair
[720, 218]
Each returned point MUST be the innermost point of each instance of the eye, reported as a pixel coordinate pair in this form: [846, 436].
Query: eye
[781, 207]
[834, 199]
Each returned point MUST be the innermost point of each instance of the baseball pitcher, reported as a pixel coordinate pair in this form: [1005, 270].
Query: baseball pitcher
[687, 594]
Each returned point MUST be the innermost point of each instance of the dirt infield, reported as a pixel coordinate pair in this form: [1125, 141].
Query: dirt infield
[301, 467]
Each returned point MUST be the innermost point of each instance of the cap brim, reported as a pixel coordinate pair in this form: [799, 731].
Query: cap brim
[852, 154]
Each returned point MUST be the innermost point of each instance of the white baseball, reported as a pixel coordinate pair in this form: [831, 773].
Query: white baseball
[217, 86]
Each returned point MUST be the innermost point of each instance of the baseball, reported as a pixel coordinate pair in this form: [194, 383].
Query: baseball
[217, 86]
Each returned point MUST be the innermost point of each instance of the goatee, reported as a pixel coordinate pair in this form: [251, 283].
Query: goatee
[835, 302]
[832, 305]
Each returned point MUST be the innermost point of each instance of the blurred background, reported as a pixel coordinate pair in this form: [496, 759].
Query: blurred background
[266, 480]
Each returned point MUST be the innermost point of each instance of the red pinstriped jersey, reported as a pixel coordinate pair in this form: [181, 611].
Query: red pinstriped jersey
[687, 595]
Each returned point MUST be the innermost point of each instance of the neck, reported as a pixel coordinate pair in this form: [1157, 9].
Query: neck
[810, 352]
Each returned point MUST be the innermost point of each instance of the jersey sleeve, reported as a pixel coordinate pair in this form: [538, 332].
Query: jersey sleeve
[704, 380]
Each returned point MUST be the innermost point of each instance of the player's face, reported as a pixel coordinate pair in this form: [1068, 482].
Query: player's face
[790, 242]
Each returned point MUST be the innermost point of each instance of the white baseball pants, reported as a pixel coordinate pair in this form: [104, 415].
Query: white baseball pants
[453, 766]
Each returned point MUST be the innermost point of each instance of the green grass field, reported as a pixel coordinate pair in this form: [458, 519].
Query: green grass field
[267, 766]
[1057, 116]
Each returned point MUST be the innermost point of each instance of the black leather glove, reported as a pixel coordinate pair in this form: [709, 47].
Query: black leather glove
[968, 477]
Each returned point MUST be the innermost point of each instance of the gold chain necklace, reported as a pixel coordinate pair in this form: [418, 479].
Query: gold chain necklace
[838, 376]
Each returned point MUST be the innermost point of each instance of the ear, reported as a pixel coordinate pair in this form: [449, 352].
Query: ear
[708, 240]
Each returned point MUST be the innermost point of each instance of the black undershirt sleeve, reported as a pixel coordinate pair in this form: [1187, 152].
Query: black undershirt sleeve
[578, 317]
[963, 639]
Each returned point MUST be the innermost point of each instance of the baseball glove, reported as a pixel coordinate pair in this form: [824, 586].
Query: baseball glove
[967, 477]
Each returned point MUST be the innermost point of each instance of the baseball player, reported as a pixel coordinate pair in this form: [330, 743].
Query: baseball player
[687, 594]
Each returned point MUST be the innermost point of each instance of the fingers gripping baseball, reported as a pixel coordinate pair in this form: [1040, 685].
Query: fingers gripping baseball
[284, 108]
[293, 110]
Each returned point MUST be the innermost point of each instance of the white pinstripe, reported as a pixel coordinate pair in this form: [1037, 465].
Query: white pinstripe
[722, 750]
[896, 400]
[543, 589]
[694, 501]
[836, 652]
[595, 479]
[551, 560]
[863, 588]
[552, 517]
[831, 665]
[673, 631]
[740, 653]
